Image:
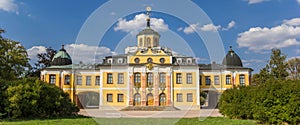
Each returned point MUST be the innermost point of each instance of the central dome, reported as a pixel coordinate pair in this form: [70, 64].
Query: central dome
[148, 31]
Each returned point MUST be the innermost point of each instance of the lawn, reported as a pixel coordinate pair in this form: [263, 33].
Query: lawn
[130, 121]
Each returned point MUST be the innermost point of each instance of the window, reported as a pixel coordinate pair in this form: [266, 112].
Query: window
[189, 78]
[179, 97]
[228, 80]
[109, 97]
[217, 81]
[88, 80]
[67, 79]
[189, 61]
[242, 80]
[149, 79]
[178, 78]
[136, 60]
[140, 42]
[109, 61]
[149, 60]
[200, 80]
[97, 81]
[120, 98]
[207, 80]
[137, 79]
[189, 97]
[52, 79]
[120, 60]
[120, 78]
[162, 60]
[148, 42]
[109, 78]
[79, 80]
[179, 61]
[162, 78]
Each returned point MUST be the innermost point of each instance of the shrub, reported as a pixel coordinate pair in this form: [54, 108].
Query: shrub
[34, 98]
[276, 101]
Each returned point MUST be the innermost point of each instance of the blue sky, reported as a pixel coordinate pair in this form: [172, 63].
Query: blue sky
[252, 27]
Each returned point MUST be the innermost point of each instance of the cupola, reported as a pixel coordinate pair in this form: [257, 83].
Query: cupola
[61, 58]
[232, 59]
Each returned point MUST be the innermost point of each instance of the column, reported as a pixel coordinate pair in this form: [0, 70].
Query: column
[168, 89]
[156, 89]
[131, 85]
[143, 89]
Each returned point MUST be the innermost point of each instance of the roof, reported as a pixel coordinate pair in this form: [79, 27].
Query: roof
[232, 59]
[148, 31]
[61, 58]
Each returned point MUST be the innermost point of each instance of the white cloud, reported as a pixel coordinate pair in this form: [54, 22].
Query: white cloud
[78, 52]
[207, 27]
[139, 23]
[33, 51]
[256, 1]
[86, 53]
[179, 29]
[210, 27]
[229, 26]
[298, 1]
[191, 28]
[292, 22]
[254, 61]
[9, 6]
[260, 39]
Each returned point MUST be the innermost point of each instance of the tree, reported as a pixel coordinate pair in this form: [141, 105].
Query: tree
[275, 69]
[13, 58]
[44, 60]
[294, 68]
[277, 65]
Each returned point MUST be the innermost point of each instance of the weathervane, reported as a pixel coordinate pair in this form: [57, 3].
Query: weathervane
[148, 16]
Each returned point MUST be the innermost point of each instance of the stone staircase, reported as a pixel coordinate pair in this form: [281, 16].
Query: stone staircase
[150, 108]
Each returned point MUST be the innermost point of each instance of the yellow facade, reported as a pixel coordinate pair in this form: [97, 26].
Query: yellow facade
[146, 75]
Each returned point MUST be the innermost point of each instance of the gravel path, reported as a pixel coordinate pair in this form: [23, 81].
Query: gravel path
[150, 114]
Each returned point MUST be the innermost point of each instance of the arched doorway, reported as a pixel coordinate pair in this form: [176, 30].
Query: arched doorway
[162, 99]
[150, 99]
[137, 99]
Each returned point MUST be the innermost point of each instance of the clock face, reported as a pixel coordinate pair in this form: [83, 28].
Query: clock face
[149, 60]
[136, 60]
[162, 60]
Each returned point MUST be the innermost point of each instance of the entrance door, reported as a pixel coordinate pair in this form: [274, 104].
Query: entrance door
[137, 99]
[162, 99]
[150, 99]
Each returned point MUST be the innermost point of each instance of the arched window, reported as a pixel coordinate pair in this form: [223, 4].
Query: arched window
[141, 42]
[148, 42]
[149, 79]
[162, 99]
[137, 79]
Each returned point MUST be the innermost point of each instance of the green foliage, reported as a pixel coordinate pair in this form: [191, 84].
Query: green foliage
[44, 60]
[275, 69]
[34, 98]
[276, 101]
[294, 68]
[13, 59]
[203, 96]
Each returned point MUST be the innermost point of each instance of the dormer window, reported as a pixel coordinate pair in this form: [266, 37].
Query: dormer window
[109, 61]
[189, 60]
[120, 60]
[179, 61]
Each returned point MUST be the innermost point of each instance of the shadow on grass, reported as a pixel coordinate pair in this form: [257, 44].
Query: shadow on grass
[44, 118]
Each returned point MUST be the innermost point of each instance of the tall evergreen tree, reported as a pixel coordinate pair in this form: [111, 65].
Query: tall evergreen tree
[275, 69]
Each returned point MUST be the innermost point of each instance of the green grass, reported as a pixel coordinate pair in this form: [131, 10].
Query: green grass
[129, 121]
